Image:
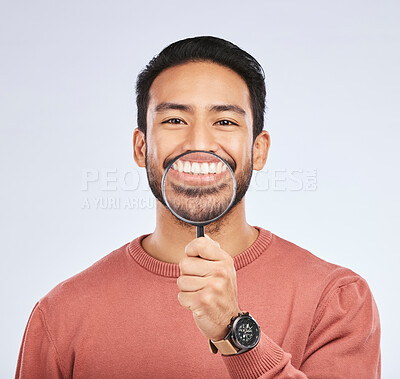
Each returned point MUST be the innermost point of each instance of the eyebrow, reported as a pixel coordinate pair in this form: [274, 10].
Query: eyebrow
[188, 108]
[228, 107]
[167, 106]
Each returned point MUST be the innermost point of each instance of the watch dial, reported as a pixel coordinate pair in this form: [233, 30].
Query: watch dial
[247, 332]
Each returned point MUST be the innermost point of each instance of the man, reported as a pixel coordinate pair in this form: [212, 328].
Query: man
[160, 305]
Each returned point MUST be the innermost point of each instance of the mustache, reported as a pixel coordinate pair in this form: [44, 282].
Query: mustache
[231, 162]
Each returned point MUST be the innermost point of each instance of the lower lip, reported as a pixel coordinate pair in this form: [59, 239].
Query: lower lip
[197, 180]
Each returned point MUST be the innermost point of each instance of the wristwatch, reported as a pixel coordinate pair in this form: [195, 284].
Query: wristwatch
[243, 335]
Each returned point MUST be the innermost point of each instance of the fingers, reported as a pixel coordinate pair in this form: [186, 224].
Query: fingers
[196, 266]
[206, 248]
[208, 286]
[188, 300]
[188, 283]
[219, 277]
[196, 301]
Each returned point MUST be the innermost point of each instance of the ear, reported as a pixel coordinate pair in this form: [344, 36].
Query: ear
[139, 147]
[260, 150]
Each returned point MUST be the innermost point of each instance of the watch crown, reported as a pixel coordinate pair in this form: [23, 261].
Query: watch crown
[229, 326]
[233, 318]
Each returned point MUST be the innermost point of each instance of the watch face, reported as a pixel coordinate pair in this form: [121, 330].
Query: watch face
[246, 332]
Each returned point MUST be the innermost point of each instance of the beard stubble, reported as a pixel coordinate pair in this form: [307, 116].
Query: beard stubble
[243, 179]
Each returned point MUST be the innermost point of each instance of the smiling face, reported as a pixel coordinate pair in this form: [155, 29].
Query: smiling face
[198, 187]
[198, 106]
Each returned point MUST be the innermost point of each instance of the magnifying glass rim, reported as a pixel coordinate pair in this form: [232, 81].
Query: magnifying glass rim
[198, 223]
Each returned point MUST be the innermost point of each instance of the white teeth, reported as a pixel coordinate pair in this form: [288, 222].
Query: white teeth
[204, 168]
[186, 167]
[195, 168]
[199, 168]
[213, 168]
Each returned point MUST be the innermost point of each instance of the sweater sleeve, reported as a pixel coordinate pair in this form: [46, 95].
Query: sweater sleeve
[38, 357]
[344, 342]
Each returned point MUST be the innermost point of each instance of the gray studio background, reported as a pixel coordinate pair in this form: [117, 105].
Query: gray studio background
[71, 192]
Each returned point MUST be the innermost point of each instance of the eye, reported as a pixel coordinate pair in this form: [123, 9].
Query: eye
[225, 123]
[175, 121]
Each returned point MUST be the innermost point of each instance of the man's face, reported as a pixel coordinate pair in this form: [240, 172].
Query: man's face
[199, 106]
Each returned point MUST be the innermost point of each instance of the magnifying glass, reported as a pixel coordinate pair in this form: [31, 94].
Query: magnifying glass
[198, 187]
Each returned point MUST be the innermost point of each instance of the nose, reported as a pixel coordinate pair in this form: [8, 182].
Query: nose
[200, 137]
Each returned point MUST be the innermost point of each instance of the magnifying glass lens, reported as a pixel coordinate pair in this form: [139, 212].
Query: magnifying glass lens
[199, 187]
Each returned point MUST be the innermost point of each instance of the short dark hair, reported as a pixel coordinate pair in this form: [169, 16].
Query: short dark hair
[198, 49]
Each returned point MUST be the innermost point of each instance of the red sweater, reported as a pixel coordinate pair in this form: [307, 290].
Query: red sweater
[121, 318]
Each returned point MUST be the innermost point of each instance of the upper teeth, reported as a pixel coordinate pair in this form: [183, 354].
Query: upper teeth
[199, 168]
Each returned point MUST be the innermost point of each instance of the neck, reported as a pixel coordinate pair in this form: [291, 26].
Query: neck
[167, 242]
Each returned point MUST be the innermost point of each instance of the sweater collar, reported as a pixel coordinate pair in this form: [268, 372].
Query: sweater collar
[172, 270]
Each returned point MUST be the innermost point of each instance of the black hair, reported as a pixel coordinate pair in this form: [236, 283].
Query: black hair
[198, 49]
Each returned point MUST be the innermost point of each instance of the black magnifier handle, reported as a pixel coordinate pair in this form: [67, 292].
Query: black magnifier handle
[200, 231]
